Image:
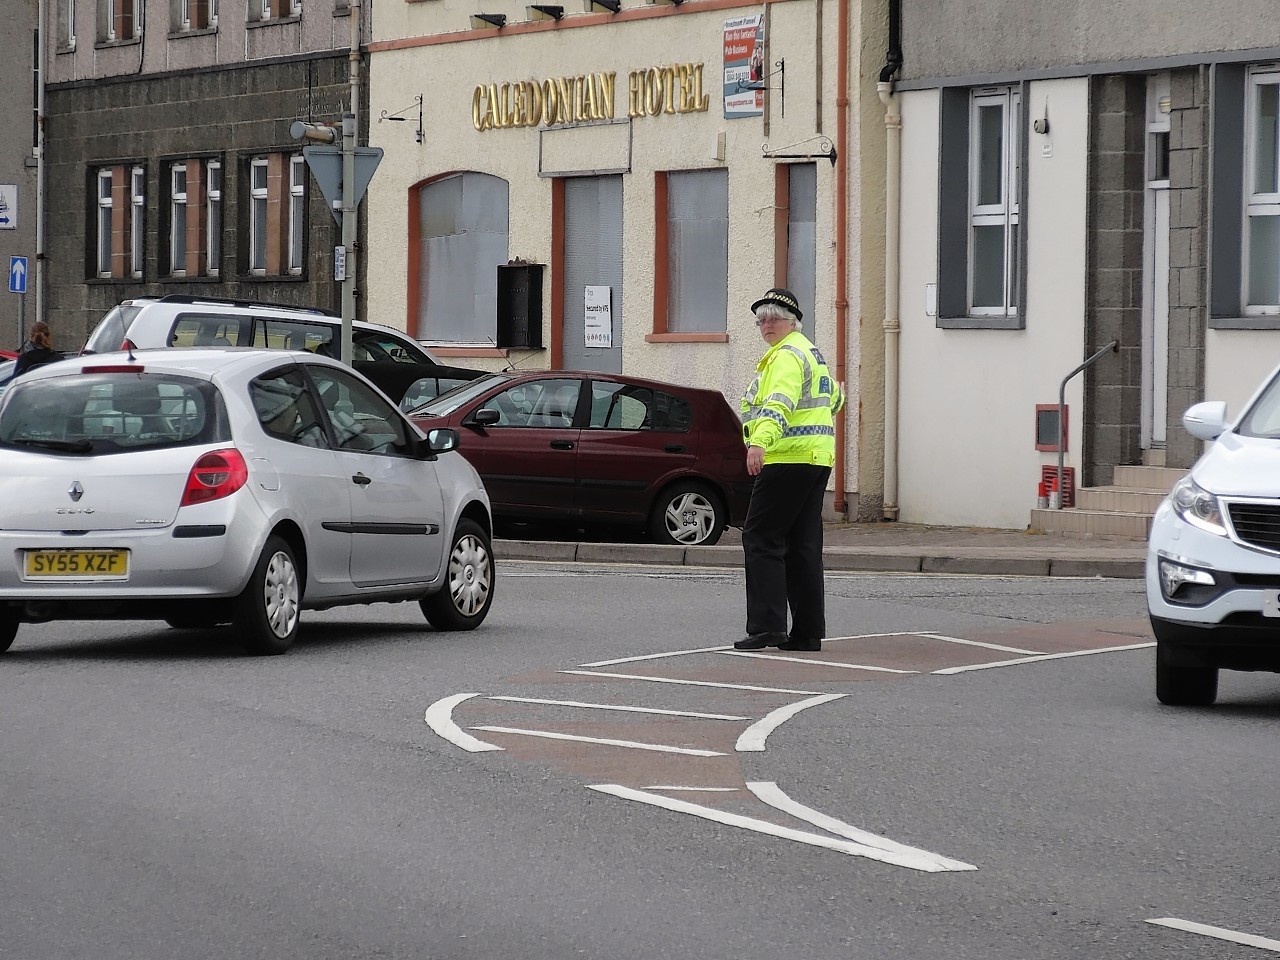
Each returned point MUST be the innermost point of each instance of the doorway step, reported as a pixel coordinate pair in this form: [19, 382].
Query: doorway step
[1122, 509]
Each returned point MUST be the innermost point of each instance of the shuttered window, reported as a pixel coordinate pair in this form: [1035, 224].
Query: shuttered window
[462, 239]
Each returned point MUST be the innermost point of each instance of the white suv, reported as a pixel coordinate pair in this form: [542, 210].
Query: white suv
[186, 321]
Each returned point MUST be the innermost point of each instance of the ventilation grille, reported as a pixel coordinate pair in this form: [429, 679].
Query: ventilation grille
[1257, 523]
[1049, 474]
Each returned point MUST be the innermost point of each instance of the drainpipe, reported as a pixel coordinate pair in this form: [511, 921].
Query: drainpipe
[39, 152]
[841, 505]
[892, 204]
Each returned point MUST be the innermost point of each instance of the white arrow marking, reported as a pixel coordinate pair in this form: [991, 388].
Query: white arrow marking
[768, 792]
[769, 829]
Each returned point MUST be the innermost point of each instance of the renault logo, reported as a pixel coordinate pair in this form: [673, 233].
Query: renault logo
[75, 491]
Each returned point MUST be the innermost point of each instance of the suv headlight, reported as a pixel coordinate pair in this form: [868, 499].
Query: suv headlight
[1197, 506]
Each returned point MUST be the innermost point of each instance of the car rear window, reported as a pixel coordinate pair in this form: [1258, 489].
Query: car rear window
[108, 335]
[94, 414]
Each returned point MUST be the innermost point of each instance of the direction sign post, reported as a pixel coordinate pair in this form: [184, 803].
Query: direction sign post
[18, 285]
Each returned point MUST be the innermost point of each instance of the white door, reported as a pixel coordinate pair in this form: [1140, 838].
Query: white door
[1155, 269]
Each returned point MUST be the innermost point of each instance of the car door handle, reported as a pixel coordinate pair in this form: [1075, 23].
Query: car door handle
[561, 444]
[674, 448]
[361, 480]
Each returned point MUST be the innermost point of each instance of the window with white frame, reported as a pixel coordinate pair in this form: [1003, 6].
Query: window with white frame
[137, 224]
[66, 24]
[258, 215]
[178, 220]
[297, 212]
[274, 9]
[120, 19]
[213, 224]
[277, 214]
[1261, 234]
[104, 222]
[993, 202]
[697, 251]
[197, 14]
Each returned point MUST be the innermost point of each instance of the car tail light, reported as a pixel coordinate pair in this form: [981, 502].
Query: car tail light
[215, 475]
[114, 368]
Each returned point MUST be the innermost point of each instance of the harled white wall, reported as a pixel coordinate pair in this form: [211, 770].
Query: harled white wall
[968, 397]
[1235, 364]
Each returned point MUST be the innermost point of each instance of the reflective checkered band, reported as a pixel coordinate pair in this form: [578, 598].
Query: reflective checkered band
[808, 432]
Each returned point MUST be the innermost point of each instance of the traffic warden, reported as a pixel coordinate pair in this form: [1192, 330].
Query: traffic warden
[788, 426]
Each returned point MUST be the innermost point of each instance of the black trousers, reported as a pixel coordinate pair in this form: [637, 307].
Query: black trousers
[782, 546]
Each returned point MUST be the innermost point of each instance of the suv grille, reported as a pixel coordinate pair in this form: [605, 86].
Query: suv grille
[1257, 523]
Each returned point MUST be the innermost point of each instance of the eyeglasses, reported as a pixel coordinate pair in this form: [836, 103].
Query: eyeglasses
[762, 322]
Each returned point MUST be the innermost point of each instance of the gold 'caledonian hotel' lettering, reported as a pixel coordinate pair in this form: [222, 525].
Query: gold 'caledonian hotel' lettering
[588, 96]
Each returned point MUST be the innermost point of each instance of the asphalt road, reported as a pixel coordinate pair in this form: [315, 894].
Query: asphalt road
[164, 797]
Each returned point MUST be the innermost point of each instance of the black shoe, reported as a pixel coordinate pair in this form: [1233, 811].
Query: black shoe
[758, 641]
[795, 643]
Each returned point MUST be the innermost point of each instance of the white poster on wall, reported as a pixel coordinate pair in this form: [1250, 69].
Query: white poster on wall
[599, 307]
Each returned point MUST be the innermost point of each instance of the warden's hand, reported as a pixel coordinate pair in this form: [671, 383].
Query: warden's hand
[755, 460]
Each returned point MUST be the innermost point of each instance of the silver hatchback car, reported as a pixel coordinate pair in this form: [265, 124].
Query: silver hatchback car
[209, 486]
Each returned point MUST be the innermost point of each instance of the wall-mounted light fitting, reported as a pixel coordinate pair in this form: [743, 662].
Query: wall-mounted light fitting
[544, 11]
[482, 21]
[613, 6]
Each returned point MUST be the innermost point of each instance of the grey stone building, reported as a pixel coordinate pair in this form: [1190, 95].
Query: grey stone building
[18, 186]
[170, 163]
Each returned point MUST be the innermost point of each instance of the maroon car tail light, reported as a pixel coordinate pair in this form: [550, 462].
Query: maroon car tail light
[114, 368]
[216, 474]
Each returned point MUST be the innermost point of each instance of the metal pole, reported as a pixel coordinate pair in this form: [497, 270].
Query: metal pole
[1114, 345]
[350, 131]
[348, 231]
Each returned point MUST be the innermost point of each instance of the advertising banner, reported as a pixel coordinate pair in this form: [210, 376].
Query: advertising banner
[744, 66]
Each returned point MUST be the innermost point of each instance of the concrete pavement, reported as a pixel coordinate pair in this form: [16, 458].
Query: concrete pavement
[884, 547]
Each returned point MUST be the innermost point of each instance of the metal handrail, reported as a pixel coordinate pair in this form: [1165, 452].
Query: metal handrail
[1114, 347]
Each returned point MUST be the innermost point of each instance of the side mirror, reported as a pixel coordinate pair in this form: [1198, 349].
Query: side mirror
[442, 440]
[1206, 420]
[484, 417]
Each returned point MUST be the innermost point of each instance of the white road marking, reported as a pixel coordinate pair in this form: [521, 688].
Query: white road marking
[873, 636]
[976, 643]
[1219, 933]
[668, 786]
[611, 706]
[656, 656]
[752, 739]
[768, 792]
[1043, 656]
[765, 827]
[439, 717]
[689, 683]
[631, 744]
[810, 660]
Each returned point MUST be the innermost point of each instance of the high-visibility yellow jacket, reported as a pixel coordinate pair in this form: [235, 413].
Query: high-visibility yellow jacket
[788, 409]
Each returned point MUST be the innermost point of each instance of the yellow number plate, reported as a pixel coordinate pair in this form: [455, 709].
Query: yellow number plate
[77, 564]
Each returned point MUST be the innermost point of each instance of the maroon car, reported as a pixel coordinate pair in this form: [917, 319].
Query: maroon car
[602, 448]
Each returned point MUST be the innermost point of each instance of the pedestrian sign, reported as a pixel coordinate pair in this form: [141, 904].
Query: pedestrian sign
[17, 274]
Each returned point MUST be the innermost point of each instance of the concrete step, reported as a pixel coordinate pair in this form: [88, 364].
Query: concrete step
[1095, 523]
[1118, 499]
[1148, 478]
